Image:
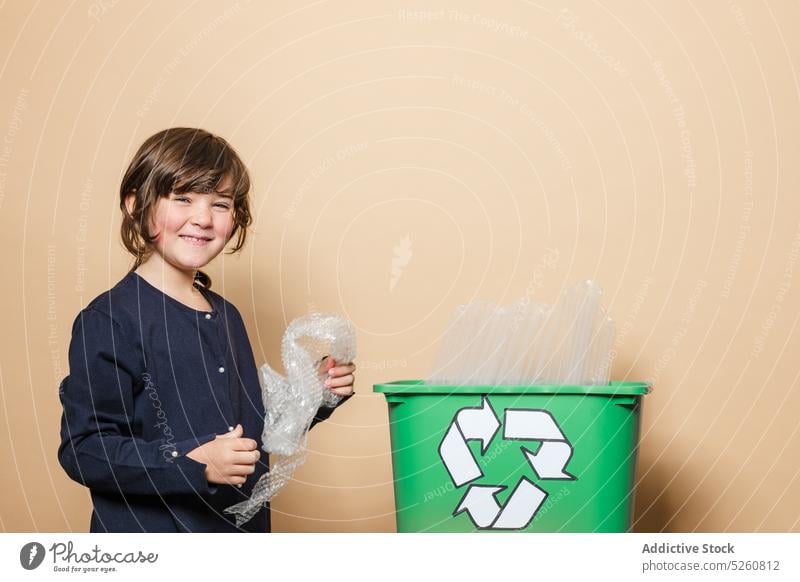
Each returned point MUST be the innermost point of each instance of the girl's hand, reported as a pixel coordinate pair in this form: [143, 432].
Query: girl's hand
[340, 379]
[229, 458]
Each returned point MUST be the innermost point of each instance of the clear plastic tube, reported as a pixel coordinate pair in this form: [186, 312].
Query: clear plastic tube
[475, 347]
[491, 344]
[537, 334]
[602, 354]
[557, 329]
[444, 371]
[515, 353]
[452, 372]
[587, 302]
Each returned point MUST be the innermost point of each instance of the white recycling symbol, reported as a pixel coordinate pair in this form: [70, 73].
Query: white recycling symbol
[521, 424]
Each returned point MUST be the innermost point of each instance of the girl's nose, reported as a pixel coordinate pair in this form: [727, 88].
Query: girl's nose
[202, 215]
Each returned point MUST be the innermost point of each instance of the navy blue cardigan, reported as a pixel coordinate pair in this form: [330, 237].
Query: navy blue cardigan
[151, 379]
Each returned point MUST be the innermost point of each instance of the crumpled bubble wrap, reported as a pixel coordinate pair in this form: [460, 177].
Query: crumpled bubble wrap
[291, 402]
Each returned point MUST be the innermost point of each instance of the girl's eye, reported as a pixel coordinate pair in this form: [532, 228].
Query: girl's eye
[181, 199]
[222, 205]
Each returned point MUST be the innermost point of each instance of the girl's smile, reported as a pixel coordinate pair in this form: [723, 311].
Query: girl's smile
[197, 241]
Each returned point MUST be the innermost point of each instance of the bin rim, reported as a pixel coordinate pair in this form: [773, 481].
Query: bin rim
[420, 387]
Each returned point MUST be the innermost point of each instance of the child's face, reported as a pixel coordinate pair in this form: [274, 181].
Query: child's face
[191, 229]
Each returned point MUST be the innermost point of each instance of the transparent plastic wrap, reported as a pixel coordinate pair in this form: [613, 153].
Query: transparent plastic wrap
[569, 342]
[291, 402]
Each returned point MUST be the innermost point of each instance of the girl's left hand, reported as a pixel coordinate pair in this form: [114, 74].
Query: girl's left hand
[340, 379]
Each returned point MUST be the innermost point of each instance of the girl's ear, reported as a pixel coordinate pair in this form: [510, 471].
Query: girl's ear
[130, 200]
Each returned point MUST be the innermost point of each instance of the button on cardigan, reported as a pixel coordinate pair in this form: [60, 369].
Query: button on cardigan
[151, 379]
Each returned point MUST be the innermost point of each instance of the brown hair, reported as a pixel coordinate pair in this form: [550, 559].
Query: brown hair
[180, 159]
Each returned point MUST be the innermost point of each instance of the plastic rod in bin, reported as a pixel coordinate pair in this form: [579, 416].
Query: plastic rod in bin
[528, 343]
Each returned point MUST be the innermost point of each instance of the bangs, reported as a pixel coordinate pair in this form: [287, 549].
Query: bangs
[205, 165]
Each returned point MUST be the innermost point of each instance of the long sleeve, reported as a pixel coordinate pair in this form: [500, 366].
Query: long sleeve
[325, 412]
[99, 447]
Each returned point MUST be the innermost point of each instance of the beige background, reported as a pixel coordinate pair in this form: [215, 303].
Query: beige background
[653, 147]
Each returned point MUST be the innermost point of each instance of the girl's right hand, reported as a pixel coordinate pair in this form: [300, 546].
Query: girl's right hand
[229, 458]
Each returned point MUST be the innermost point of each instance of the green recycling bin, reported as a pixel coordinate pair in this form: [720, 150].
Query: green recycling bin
[541, 458]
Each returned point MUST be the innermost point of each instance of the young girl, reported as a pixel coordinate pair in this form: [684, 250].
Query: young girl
[163, 411]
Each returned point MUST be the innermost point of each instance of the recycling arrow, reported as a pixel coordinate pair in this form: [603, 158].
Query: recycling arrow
[478, 424]
[485, 512]
[469, 424]
[548, 462]
[480, 504]
[525, 424]
[520, 508]
[555, 451]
